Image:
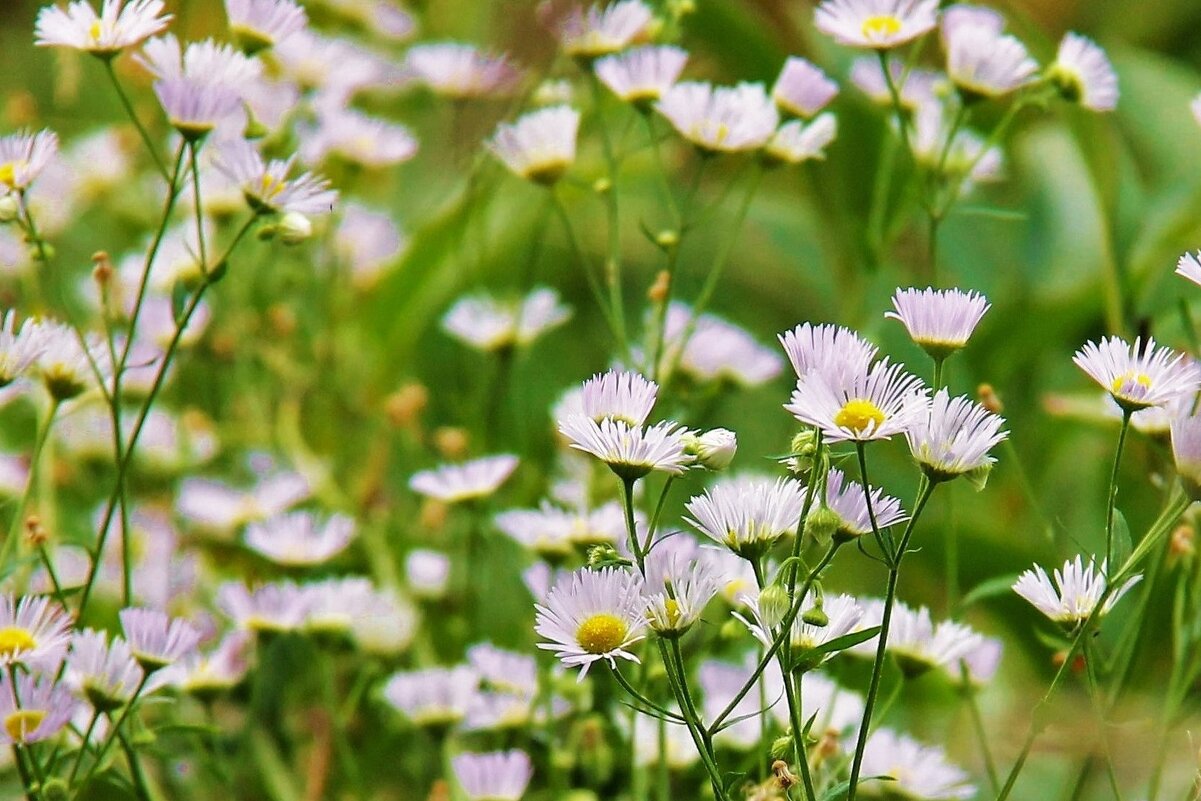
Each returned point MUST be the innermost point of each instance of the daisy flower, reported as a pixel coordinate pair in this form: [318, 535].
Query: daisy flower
[490, 324]
[846, 500]
[1074, 595]
[630, 451]
[119, 25]
[714, 449]
[748, 515]
[300, 538]
[874, 404]
[1141, 375]
[843, 613]
[554, 534]
[587, 35]
[687, 588]
[827, 349]
[259, 24]
[269, 608]
[354, 137]
[433, 697]
[369, 241]
[876, 24]
[641, 75]
[954, 437]
[504, 671]
[981, 662]
[195, 108]
[1083, 73]
[461, 71]
[964, 15]
[984, 62]
[796, 142]
[618, 395]
[34, 709]
[802, 89]
[34, 632]
[469, 481]
[912, 770]
[496, 776]
[23, 156]
[63, 365]
[427, 573]
[717, 350]
[106, 674]
[265, 184]
[208, 675]
[1186, 451]
[539, 146]
[723, 119]
[335, 603]
[920, 645]
[1189, 266]
[19, 347]
[968, 158]
[156, 640]
[915, 87]
[595, 615]
[940, 321]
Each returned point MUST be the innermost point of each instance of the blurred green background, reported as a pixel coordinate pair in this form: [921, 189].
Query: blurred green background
[1098, 208]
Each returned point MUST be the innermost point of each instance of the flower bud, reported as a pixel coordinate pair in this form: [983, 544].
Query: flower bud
[602, 185]
[989, 399]
[10, 208]
[816, 616]
[55, 790]
[823, 524]
[405, 405]
[784, 777]
[667, 239]
[605, 555]
[773, 605]
[781, 747]
[715, 449]
[294, 228]
[732, 630]
[658, 290]
[451, 442]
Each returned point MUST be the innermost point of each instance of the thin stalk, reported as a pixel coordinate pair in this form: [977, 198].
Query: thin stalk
[116, 727]
[23, 772]
[139, 423]
[1094, 693]
[723, 256]
[1111, 496]
[673, 260]
[18, 521]
[700, 737]
[884, 541]
[925, 490]
[133, 117]
[613, 258]
[627, 485]
[141, 787]
[785, 626]
[578, 254]
[87, 737]
[990, 765]
[654, 526]
[816, 480]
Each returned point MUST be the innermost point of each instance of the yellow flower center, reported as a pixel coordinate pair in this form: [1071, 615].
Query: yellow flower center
[1142, 379]
[8, 173]
[601, 633]
[15, 640]
[270, 187]
[859, 415]
[21, 723]
[95, 30]
[671, 608]
[881, 26]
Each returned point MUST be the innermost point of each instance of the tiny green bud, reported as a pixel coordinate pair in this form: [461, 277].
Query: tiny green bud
[10, 208]
[605, 555]
[602, 185]
[781, 747]
[55, 790]
[295, 228]
[773, 605]
[732, 630]
[823, 524]
[816, 616]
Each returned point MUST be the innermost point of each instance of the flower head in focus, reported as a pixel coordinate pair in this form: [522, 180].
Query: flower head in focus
[120, 24]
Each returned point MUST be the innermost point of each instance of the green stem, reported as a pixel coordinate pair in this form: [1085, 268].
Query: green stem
[925, 490]
[613, 258]
[141, 787]
[627, 485]
[155, 387]
[678, 680]
[115, 731]
[673, 260]
[23, 772]
[1111, 496]
[990, 766]
[87, 738]
[1094, 692]
[816, 481]
[578, 254]
[133, 117]
[785, 628]
[18, 521]
[199, 209]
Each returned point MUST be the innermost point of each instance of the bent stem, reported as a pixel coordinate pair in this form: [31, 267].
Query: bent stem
[133, 117]
[613, 257]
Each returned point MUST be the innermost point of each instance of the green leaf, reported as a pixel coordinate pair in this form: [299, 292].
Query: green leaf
[991, 212]
[277, 779]
[846, 641]
[990, 588]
